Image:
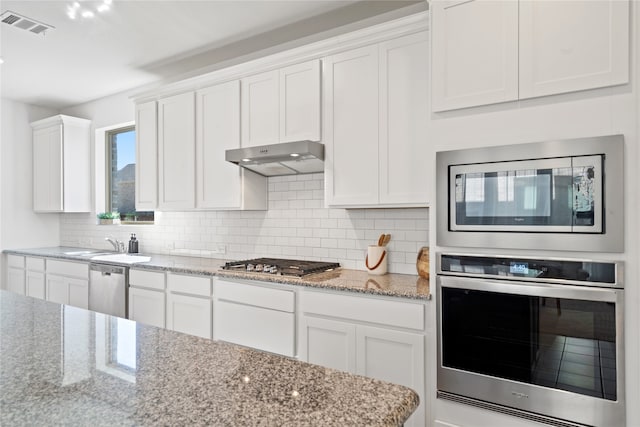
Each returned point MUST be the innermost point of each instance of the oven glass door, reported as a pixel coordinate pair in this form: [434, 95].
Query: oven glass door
[548, 195]
[556, 342]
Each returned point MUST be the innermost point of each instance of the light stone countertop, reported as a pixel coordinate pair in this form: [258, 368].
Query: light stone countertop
[59, 366]
[396, 285]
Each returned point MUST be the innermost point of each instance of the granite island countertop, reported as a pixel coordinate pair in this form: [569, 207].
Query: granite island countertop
[396, 285]
[64, 365]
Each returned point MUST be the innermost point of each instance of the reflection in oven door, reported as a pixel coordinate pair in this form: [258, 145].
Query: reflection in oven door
[553, 342]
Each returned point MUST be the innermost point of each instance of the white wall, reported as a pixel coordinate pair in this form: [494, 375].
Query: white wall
[20, 226]
[606, 111]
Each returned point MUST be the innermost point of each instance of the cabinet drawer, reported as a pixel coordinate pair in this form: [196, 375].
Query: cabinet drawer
[65, 268]
[255, 327]
[258, 296]
[385, 312]
[194, 285]
[146, 279]
[16, 261]
[35, 264]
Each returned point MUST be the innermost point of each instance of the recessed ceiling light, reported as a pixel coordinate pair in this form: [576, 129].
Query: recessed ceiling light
[294, 155]
[103, 8]
[87, 14]
[246, 160]
[1, 61]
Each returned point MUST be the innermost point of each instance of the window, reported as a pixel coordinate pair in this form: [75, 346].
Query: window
[121, 176]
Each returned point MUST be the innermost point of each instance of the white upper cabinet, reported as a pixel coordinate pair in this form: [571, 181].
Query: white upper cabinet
[375, 124]
[567, 46]
[282, 105]
[260, 109]
[220, 184]
[300, 102]
[61, 165]
[146, 156]
[350, 127]
[176, 157]
[404, 142]
[474, 53]
[487, 51]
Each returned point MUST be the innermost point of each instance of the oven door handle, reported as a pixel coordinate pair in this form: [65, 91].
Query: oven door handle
[532, 289]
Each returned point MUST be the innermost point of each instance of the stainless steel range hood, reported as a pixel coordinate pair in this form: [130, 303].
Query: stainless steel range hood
[288, 158]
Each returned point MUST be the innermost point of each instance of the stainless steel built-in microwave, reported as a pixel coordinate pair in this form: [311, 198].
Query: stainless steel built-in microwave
[564, 195]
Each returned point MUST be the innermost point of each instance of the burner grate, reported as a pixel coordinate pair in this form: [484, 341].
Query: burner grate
[284, 267]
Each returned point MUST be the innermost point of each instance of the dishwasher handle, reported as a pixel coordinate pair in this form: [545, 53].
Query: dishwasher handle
[107, 270]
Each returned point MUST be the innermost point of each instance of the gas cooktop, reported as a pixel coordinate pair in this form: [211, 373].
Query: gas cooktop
[284, 267]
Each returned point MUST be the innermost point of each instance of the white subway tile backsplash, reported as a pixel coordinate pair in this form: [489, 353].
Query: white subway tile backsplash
[297, 225]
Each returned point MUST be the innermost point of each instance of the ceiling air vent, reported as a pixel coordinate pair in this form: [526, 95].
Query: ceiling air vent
[24, 23]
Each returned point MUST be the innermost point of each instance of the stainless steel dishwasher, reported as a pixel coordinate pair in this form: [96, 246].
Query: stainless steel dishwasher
[108, 289]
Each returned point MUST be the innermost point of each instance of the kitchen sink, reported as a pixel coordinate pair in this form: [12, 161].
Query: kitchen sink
[88, 252]
[123, 258]
[96, 253]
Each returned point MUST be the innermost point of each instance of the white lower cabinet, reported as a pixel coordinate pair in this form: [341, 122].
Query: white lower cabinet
[35, 285]
[67, 290]
[393, 356]
[147, 297]
[359, 334]
[16, 280]
[67, 283]
[15, 274]
[189, 304]
[255, 316]
[328, 343]
[147, 306]
[191, 315]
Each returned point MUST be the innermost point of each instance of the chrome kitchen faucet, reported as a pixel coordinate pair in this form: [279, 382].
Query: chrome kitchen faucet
[117, 244]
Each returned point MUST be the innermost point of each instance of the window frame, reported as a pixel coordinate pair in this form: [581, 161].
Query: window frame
[109, 136]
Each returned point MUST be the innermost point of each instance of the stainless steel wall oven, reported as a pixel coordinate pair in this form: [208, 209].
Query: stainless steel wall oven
[536, 338]
[560, 195]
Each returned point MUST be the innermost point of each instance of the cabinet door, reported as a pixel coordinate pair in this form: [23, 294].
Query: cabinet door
[146, 156]
[328, 343]
[396, 357]
[573, 45]
[300, 102]
[474, 53]
[404, 140]
[147, 306]
[16, 280]
[78, 292]
[350, 131]
[57, 289]
[218, 182]
[190, 315]
[35, 284]
[260, 109]
[47, 169]
[66, 290]
[176, 146]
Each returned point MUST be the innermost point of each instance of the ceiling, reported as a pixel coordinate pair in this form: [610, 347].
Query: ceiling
[138, 42]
